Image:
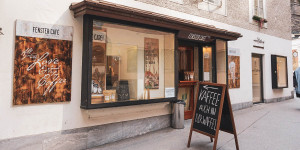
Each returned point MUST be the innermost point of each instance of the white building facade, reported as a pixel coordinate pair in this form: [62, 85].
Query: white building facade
[262, 63]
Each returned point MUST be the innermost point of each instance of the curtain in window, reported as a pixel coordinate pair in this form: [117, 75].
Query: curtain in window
[261, 9]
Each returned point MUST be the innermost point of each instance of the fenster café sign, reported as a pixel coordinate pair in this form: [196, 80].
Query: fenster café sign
[43, 63]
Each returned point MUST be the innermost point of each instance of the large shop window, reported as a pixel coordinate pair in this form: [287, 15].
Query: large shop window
[279, 71]
[130, 64]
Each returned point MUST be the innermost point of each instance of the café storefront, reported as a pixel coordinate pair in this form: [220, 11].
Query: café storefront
[132, 57]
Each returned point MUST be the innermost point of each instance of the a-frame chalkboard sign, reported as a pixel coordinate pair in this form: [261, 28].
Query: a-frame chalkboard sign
[213, 112]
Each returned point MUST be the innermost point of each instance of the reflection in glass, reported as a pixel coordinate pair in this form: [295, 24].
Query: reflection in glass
[207, 63]
[186, 63]
[185, 94]
[256, 79]
[281, 72]
[130, 63]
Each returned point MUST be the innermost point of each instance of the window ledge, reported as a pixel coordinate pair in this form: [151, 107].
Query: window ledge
[129, 103]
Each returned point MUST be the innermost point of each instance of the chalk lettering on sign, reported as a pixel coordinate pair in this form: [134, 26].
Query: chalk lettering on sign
[205, 108]
[206, 87]
[213, 111]
[209, 97]
[206, 121]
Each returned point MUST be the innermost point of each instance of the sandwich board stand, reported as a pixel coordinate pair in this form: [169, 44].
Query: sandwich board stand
[213, 112]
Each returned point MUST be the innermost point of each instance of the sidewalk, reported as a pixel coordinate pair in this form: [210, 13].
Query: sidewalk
[274, 126]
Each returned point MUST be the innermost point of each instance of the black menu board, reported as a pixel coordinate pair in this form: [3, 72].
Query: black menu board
[213, 112]
[123, 90]
[207, 108]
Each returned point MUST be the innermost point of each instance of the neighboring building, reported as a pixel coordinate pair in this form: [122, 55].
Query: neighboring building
[295, 10]
[116, 65]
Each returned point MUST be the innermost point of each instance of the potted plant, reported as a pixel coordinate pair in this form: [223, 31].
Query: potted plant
[260, 20]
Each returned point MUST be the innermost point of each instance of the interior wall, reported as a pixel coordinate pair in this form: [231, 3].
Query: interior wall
[122, 40]
[221, 61]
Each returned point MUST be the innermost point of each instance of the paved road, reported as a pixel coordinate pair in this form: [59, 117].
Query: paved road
[274, 126]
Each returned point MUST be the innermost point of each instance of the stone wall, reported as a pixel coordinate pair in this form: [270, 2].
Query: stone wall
[295, 8]
[278, 14]
[87, 137]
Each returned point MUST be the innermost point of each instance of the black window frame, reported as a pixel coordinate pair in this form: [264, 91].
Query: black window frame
[274, 72]
[87, 64]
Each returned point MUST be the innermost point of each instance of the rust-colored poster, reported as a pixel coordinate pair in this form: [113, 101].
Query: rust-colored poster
[233, 68]
[151, 63]
[42, 64]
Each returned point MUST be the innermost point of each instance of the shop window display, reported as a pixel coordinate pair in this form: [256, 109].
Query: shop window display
[131, 63]
[279, 71]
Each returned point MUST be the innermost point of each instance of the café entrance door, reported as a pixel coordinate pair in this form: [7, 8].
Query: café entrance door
[187, 76]
[199, 61]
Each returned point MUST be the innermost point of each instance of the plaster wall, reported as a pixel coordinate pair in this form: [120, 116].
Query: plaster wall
[33, 119]
[236, 13]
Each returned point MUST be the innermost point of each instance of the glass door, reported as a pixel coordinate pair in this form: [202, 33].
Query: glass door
[207, 64]
[257, 78]
[187, 76]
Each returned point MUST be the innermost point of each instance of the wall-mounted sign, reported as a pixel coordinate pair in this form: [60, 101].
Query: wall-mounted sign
[169, 92]
[194, 36]
[259, 43]
[43, 63]
[233, 68]
[99, 36]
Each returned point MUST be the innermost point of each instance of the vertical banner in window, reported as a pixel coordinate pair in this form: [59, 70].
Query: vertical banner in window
[43, 63]
[233, 68]
[151, 56]
[98, 66]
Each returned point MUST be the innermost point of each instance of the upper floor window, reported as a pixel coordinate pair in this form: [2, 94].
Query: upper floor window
[213, 6]
[259, 8]
[214, 2]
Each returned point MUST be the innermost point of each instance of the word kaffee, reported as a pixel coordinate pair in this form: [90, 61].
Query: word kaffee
[210, 97]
